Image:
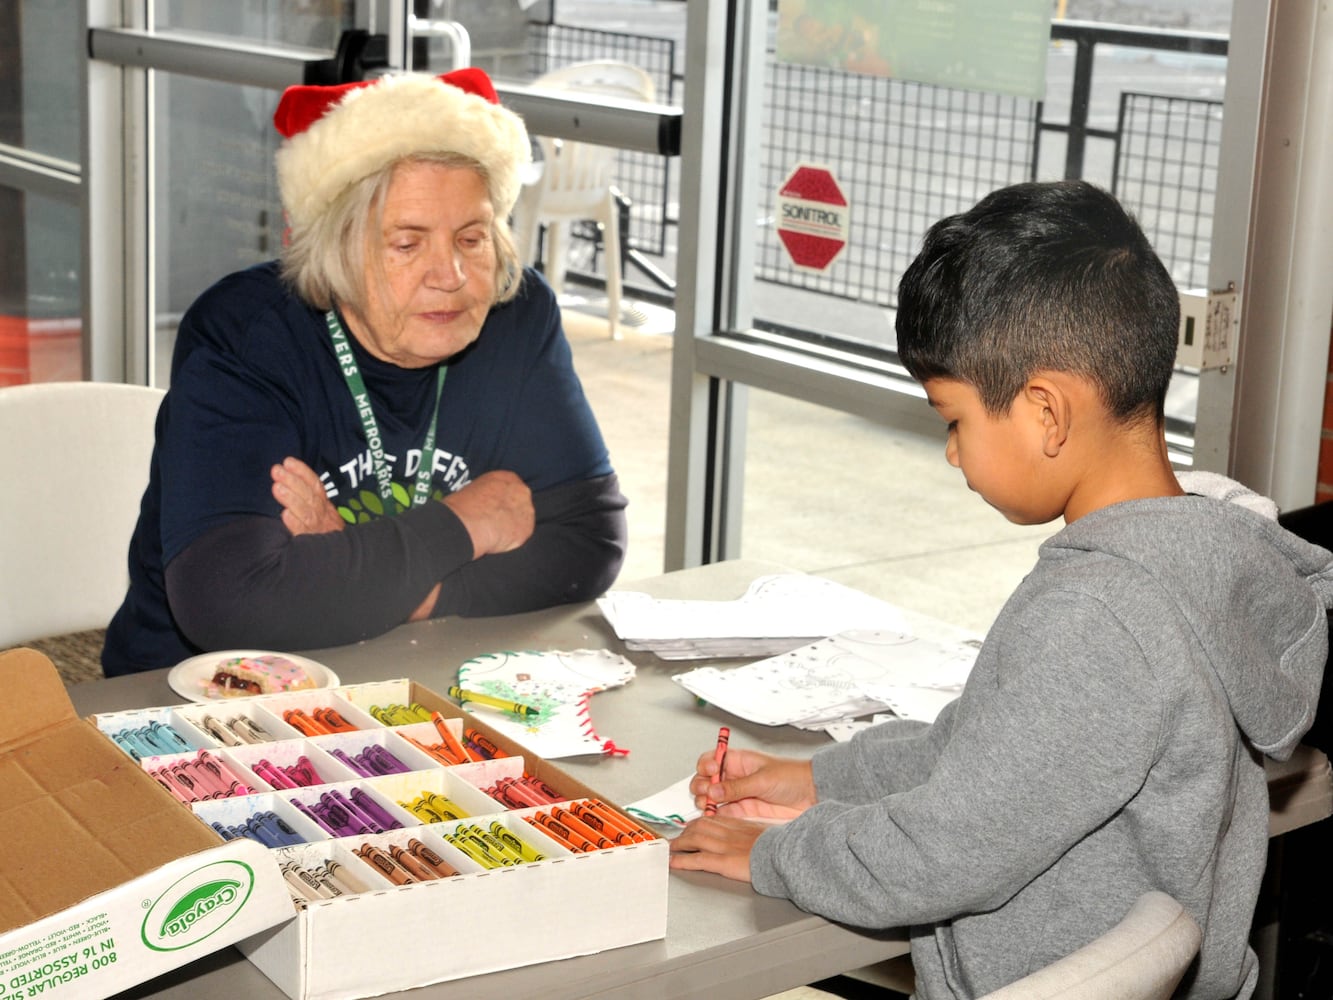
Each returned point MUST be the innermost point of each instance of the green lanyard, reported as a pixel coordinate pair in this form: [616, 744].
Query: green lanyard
[342, 349]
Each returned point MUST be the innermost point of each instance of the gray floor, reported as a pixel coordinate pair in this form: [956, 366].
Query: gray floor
[869, 506]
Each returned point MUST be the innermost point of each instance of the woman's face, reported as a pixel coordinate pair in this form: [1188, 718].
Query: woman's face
[430, 269]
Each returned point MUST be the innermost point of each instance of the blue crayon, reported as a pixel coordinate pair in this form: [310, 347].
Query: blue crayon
[168, 736]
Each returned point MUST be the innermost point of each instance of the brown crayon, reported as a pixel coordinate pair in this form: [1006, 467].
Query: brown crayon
[385, 864]
[429, 858]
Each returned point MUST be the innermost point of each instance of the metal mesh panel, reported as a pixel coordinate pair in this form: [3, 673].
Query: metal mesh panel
[1166, 173]
[644, 178]
[905, 154]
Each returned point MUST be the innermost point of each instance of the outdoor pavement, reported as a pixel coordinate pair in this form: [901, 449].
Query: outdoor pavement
[873, 507]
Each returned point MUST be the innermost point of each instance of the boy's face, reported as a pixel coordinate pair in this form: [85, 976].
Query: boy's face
[1000, 456]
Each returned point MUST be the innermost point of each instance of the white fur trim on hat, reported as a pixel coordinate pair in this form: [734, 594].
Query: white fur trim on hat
[396, 117]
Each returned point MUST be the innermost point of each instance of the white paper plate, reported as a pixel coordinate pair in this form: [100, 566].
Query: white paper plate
[190, 678]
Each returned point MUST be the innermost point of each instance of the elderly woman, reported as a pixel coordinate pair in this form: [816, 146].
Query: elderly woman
[384, 427]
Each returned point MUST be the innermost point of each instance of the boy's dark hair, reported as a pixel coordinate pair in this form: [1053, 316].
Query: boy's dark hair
[1042, 276]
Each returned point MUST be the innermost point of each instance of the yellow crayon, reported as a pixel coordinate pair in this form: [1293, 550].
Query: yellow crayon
[518, 708]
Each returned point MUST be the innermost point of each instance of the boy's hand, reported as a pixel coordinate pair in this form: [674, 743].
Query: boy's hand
[754, 784]
[716, 844]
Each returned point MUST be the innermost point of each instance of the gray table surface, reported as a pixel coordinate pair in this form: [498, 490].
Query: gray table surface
[722, 940]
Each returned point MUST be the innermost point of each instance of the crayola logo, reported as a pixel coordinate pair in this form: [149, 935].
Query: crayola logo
[197, 905]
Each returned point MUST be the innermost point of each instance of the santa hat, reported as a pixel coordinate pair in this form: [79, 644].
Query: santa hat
[336, 136]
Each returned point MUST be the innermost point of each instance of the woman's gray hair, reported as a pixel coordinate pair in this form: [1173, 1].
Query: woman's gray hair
[325, 262]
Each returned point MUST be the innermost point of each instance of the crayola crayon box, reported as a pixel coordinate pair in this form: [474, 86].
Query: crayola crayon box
[105, 881]
[310, 796]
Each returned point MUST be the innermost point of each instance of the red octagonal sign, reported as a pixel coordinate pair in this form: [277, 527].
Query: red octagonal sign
[812, 217]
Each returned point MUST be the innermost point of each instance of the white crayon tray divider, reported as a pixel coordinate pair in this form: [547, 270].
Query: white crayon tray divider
[286, 753]
[390, 938]
[379, 693]
[428, 835]
[196, 714]
[242, 773]
[239, 810]
[391, 740]
[274, 705]
[116, 722]
[459, 784]
[358, 875]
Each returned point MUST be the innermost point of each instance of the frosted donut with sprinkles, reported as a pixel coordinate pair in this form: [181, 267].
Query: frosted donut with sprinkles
[243, 676]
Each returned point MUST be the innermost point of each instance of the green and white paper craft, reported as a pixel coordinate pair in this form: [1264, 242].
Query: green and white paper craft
[559, 685]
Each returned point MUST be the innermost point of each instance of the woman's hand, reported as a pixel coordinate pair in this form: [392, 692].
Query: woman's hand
[306, 508]
[496, 508]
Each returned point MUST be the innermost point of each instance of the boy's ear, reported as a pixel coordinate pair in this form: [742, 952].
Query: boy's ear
[1051, 405]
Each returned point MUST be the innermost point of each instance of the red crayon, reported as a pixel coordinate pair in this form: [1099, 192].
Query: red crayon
[719, 755]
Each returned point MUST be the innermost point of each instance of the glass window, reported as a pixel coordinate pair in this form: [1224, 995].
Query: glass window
[314, 23]
[215, 197]
[39, 77]
[40, 327]
[862, 503]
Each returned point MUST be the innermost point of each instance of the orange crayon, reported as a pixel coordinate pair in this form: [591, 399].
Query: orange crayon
[621, 821]
[581, 828]
[561, 832]
[453, 745]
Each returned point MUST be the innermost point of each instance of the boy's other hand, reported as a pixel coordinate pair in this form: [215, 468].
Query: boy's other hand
[716, 844]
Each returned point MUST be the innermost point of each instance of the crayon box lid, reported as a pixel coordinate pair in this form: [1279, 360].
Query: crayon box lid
[105, 881]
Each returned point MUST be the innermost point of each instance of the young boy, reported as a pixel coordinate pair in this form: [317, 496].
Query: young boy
[1110, 738]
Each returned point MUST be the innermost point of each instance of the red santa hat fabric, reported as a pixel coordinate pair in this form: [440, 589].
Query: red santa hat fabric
[337, 135]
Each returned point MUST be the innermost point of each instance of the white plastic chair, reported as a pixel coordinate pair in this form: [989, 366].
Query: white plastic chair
[577, 179]
[1143, 957]
[76, 457]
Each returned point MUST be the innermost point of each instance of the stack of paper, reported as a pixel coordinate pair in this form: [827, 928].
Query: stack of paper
[777, 614]
[847, 675]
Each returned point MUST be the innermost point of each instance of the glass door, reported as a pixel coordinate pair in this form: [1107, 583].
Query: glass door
[41, 333]
[1169, 118]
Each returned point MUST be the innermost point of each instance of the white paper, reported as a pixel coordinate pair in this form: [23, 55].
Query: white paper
[845, 676]
[673, 806]
[776, 614]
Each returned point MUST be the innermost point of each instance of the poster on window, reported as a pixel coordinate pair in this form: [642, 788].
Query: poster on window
[968, 44]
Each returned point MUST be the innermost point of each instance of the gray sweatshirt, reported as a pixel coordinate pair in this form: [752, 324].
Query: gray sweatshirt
[1108, 742]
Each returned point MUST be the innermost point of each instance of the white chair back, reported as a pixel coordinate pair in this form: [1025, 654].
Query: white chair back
[1143, 957]
[578, 179]
[76, 458]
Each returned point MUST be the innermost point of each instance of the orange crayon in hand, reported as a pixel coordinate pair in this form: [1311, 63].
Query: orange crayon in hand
[719, 755]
